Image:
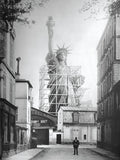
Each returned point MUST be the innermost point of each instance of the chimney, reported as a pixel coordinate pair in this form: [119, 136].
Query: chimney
[18, 68]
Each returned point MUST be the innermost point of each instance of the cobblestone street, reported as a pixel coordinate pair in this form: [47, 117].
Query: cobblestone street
[67, 154]
[64, 152]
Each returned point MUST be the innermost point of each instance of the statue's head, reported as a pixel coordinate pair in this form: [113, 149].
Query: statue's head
[61, 54]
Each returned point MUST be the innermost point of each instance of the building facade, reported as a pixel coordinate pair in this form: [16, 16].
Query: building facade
[23, 117]
[108, 51]
[115, 138]
[7, 90]
[77, 122]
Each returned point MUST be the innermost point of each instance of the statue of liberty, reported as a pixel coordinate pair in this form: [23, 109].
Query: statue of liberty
[62, 89]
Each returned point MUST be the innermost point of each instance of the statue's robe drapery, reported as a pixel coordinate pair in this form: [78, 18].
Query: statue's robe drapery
[60, 84]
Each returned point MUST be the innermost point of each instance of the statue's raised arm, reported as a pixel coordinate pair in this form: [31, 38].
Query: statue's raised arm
[50, 24]
[51, 58]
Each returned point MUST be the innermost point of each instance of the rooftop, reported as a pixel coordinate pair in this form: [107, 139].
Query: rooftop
[78, 108]
[24, 81]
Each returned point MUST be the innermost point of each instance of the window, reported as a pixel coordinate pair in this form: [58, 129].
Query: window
[12, 129]
[84, 136]
[22, 137]
[75, 117]
[6, 128]
[95, 117]
[11, 52]
[4, 86]
[2, 44]
[17, 114]
[11, 91]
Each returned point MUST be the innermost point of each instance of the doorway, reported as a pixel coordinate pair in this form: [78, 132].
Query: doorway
[58, 141]
[42, 136]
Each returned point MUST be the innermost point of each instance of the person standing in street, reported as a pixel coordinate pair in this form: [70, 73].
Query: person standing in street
[76, 145]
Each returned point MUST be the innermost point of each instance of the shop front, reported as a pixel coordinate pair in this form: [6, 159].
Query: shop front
[7, 127]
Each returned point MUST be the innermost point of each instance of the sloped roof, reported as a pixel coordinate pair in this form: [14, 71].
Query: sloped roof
[78, 108]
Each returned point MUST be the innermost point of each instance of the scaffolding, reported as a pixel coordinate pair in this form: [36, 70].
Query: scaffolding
[55, 89]
[60, 84]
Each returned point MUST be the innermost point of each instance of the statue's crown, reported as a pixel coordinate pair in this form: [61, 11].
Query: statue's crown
[62, 49]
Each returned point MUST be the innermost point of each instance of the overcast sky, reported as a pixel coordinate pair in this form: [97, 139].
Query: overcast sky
[71, 28]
